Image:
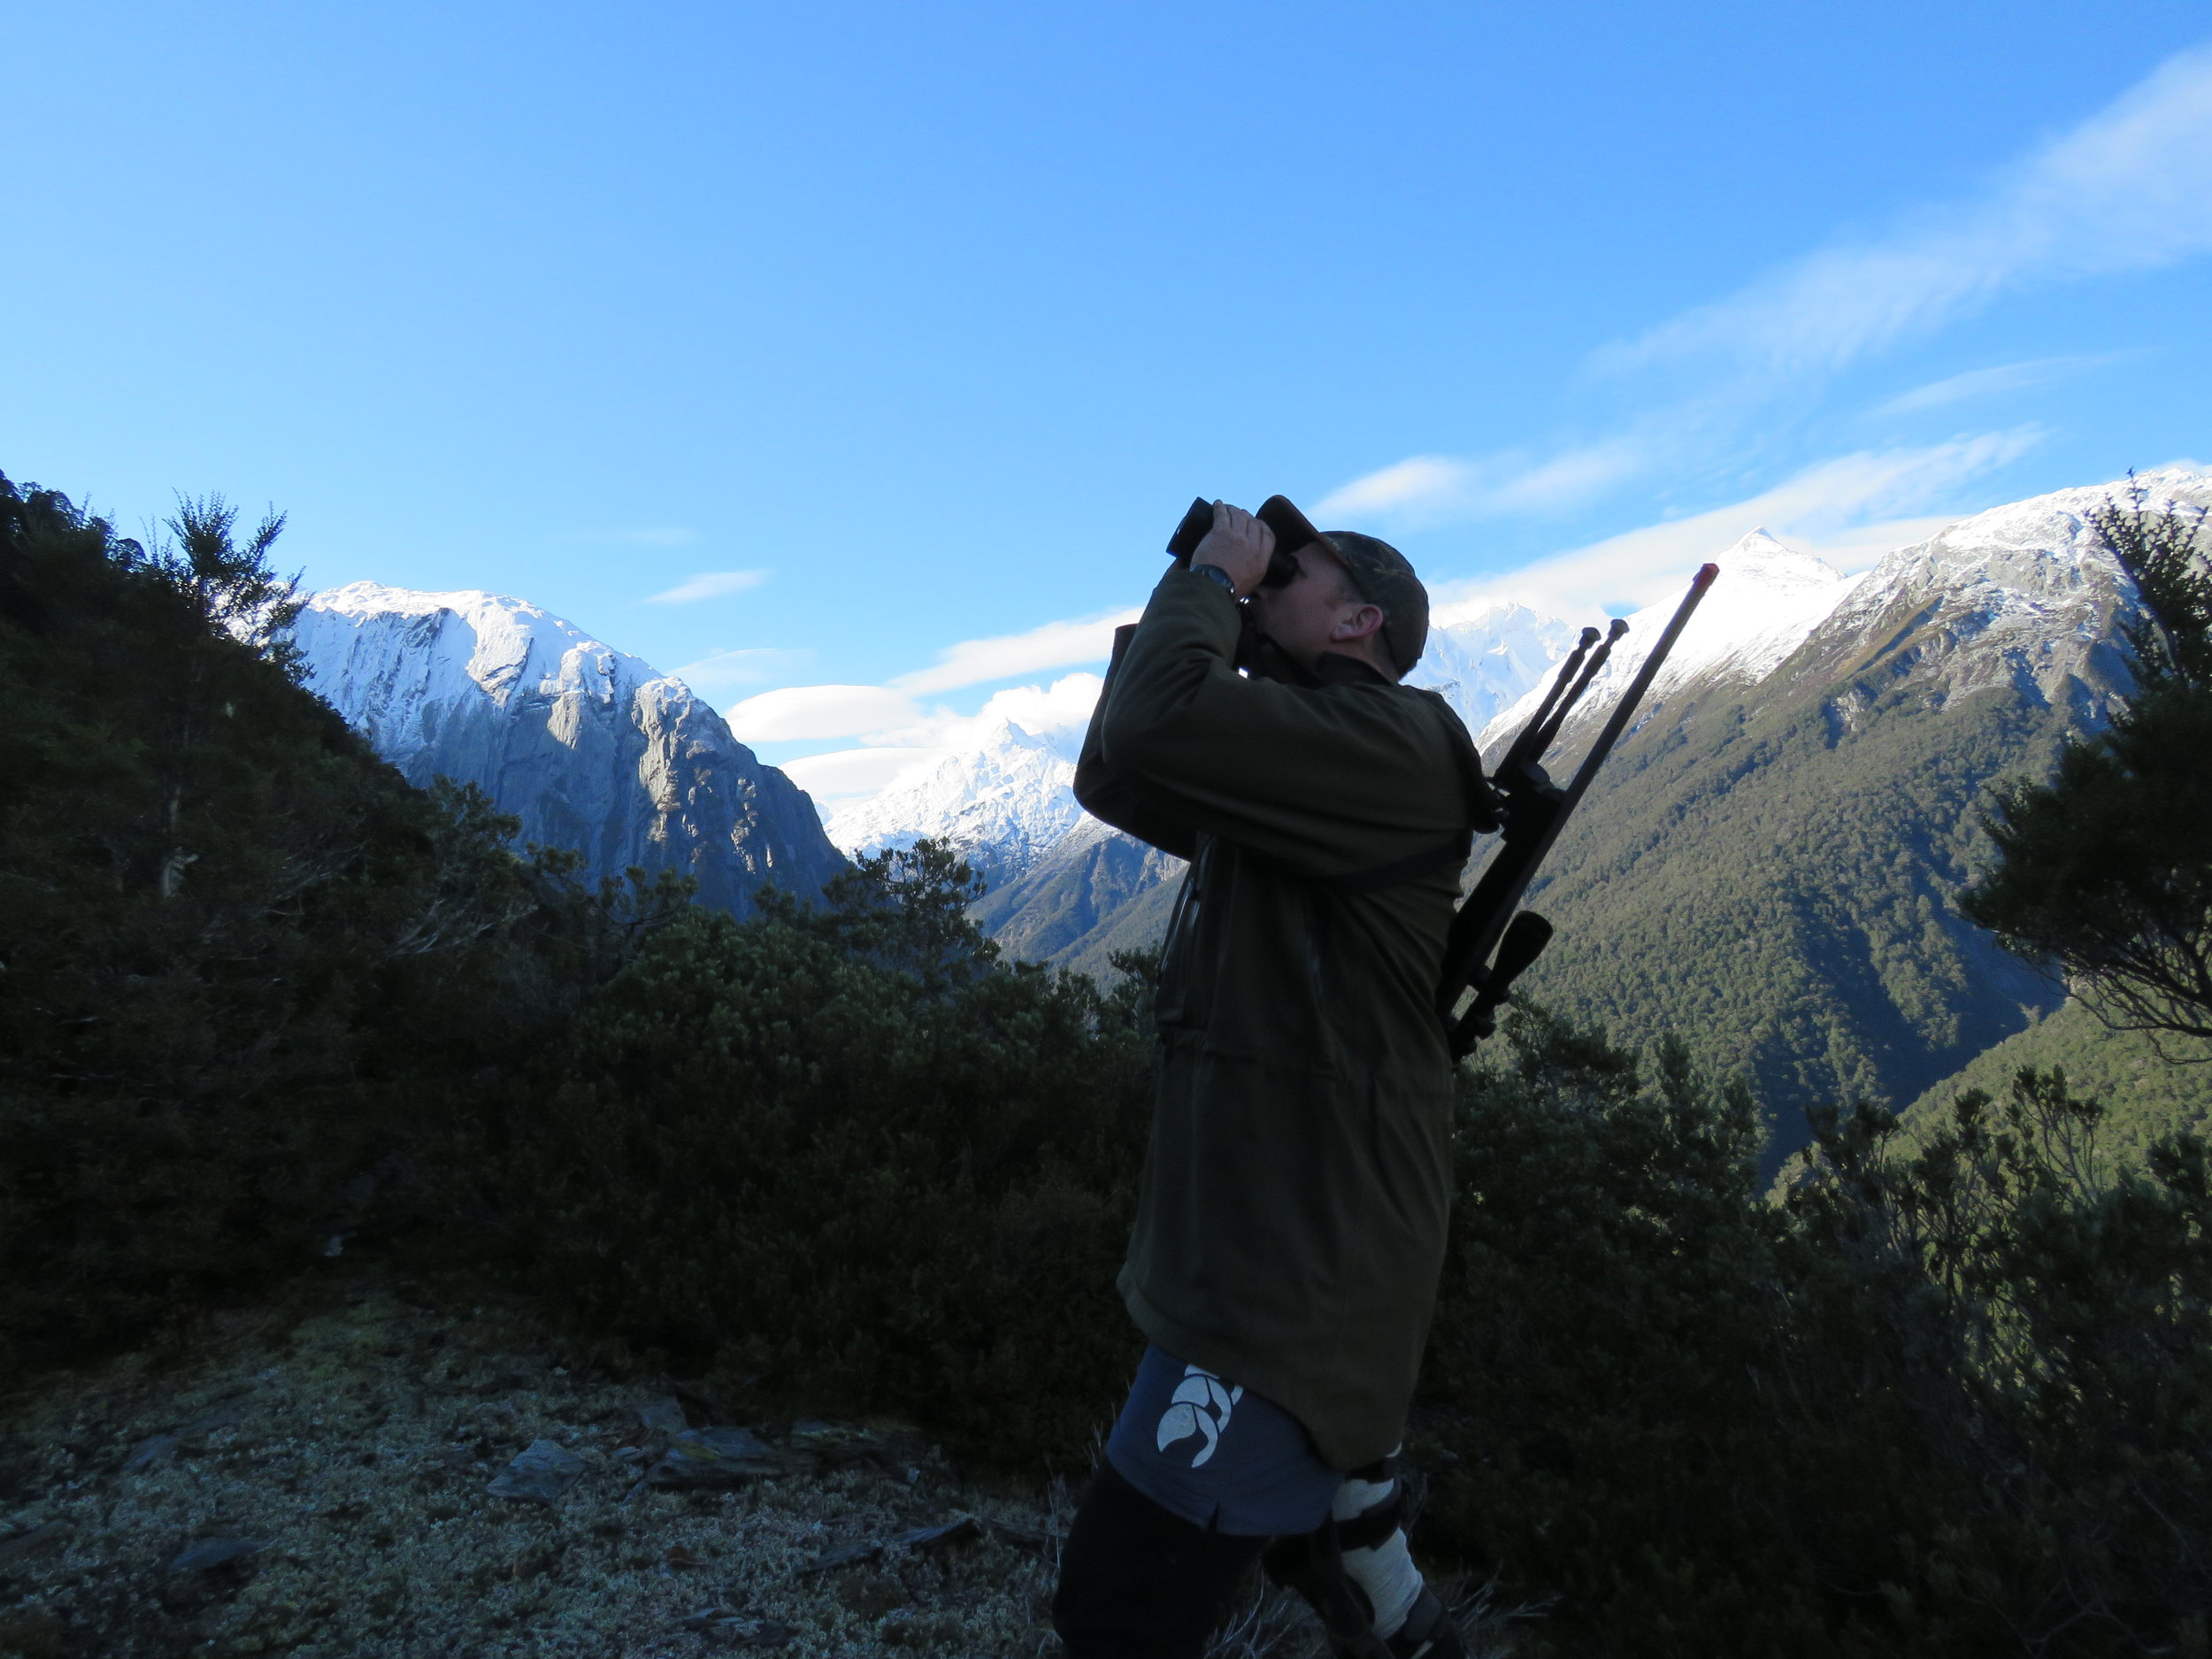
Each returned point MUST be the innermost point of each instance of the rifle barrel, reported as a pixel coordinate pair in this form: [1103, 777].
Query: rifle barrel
[1526, 747]
[1491, 905]
[1625, 707]
[1589, 673]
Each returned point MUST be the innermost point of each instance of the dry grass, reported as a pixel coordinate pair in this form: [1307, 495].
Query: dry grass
[358, 1443]
[353, 1441]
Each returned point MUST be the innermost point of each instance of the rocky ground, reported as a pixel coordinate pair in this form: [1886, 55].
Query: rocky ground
[343, 1479]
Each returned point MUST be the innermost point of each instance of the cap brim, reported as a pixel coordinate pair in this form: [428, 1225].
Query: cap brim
[1293, 529]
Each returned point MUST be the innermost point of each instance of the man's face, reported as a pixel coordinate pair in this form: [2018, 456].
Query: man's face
[1309, 614]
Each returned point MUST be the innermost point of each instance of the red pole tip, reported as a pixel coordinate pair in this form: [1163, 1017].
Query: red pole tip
[1705, 574]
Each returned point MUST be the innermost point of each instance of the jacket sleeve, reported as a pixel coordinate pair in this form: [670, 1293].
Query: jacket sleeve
[1113, 800]
[1329, 780]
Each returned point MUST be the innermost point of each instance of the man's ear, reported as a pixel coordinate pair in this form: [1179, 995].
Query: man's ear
[1359, 623]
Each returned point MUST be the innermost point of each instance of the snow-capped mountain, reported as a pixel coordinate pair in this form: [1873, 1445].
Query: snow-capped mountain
[1766, 600]
[589, 746]
[2021, 594]
[1005, 800]
[1482, 657]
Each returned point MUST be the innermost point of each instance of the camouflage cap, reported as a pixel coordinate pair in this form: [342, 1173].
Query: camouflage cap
[1379, 572]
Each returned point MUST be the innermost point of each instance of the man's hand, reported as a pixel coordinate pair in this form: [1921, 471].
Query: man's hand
[1238, 543]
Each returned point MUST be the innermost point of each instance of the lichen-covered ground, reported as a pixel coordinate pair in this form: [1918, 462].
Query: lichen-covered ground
[313, 1483]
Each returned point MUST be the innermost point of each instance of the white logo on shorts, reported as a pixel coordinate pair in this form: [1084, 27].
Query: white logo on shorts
[1202, 1405]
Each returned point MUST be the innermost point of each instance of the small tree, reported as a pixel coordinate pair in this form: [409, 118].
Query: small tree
[2104, 872]
[234, 587]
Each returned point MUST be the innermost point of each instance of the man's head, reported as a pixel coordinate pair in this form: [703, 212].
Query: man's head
[1318, 609]
[1348, 593]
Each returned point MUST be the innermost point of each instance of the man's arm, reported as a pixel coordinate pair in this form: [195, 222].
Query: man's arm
[1111, 799]
[1330, 781]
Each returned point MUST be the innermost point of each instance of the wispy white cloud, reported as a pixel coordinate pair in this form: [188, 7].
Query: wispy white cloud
[1573, 475]
[2128, 189]
[1419, 483]
[1060, 709]
[794, 712]
[708, 585]
[2006, 377]
[1431, 489]
[1053, 645]
[1849, 510]
[720, 670]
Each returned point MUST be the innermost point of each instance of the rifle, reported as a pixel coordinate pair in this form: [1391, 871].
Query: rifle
[1485, 952]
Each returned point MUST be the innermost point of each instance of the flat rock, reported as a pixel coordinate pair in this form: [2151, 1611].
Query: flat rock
[956, 1530]
[540, 1474]
[662, 1417]
[210, 1553]
[837, 1445]
[716, 1458]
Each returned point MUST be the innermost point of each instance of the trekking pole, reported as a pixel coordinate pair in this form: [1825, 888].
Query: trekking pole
[1489, 945]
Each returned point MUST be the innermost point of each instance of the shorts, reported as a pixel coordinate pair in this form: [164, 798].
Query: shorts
[1217, 1455]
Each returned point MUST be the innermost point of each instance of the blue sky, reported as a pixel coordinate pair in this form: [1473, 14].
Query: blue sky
[878, 346]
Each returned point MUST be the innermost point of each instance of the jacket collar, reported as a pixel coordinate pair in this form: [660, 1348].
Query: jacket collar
[1263, 658]
[1334, 668]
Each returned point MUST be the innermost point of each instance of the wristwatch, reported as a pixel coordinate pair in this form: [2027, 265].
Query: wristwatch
[1215, 573]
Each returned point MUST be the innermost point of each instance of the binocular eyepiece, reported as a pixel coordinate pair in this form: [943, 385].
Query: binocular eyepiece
[1291, 532]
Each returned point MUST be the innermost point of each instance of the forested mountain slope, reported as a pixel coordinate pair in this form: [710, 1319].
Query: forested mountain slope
[1766, 869]
[2145, 1093]
[1097, 892]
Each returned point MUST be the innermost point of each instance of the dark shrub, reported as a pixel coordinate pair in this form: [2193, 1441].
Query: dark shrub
[243, 962]
[854, 1161]
[1950, 1400]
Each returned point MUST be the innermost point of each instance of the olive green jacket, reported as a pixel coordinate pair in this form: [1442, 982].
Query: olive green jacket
[1291, 1224]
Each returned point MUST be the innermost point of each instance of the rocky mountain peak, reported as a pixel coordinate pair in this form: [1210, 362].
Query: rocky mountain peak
[588, 745]
[1768, 598]
[1005, 798]
[2023, 594]
[1760, 561]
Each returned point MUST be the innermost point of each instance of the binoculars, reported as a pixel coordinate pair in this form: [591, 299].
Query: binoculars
[1291, 528]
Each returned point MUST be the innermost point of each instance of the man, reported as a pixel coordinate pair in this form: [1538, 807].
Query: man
[1291, 1224]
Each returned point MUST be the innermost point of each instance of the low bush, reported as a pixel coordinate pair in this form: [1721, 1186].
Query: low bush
[844, 1160]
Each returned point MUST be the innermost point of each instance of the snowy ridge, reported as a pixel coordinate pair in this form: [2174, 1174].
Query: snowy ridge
[397, 662]
[2020, 592]
[590, 748]
[1767, 599]
[1483, 656]
[2016, 595]
[1011, 795]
